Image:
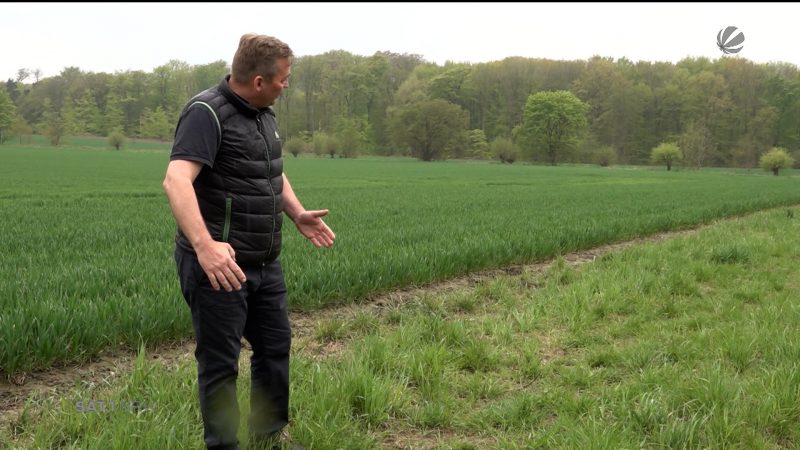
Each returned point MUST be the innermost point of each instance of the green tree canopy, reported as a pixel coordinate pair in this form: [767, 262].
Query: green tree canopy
[552, 123]
[8, 113]
[429, 127]
[666, 153]
[353, 135]
[52, 124]
[156, 124]
[723, 112]
[776, 159]
[22, 130]
[116, 139]
[478, 146]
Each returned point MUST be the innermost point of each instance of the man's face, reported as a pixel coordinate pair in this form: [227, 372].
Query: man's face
[271, 89]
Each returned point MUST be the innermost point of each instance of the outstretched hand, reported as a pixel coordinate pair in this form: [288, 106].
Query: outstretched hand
[310, 225]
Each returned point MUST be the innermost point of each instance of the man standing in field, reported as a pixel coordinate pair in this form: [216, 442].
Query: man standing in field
[228, 193]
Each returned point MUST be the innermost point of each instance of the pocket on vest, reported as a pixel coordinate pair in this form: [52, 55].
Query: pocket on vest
[226, 228]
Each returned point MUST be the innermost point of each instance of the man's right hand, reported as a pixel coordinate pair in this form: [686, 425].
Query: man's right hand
[218, 260]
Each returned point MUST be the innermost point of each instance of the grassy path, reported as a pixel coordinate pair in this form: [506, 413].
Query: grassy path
[317, 334]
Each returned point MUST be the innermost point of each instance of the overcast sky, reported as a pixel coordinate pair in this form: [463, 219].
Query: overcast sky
[112, 37]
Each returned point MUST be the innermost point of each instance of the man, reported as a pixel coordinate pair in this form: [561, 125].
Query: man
[228, 193]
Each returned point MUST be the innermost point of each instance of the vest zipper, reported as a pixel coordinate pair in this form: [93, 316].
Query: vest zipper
[269, 180]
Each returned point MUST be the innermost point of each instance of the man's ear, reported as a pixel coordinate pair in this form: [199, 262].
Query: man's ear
[258, 82]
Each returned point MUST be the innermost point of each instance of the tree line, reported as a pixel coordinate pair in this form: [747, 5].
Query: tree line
[724, 112]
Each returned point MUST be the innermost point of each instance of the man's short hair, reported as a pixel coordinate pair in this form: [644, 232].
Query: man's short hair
[258, 54]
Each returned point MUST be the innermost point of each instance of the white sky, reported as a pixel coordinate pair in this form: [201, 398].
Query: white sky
[112, 37]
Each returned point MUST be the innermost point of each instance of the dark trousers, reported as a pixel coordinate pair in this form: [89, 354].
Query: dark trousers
[259, 313]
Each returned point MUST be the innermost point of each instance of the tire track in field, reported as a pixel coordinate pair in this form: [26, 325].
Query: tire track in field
[108, 366]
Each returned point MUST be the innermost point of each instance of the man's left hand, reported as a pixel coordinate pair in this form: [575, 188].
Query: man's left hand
[314, 228]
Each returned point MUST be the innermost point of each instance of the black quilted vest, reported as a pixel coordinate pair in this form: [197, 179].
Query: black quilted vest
[240, 197]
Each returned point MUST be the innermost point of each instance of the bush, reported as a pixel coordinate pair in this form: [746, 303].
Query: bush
[505, 150]
[605, 156]
[116, 138]
[295, 146]
[319, 143]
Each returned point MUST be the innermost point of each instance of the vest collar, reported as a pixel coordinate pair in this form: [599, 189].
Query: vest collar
[242, 105]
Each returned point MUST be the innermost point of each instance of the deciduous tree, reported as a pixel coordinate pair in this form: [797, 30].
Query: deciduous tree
[775, 160]
[552, 124]
[8, 112]
[428, 127]
[666, 153]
